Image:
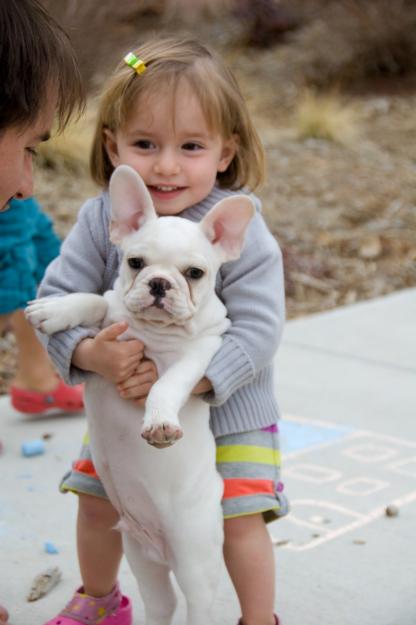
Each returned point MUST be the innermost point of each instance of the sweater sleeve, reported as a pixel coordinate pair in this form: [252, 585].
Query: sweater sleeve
[80, 267]
[253, 293]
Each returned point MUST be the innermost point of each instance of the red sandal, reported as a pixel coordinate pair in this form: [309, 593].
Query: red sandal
[63, 398]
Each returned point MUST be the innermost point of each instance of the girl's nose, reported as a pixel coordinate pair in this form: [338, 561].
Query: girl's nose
[25, 188]
[167, 163]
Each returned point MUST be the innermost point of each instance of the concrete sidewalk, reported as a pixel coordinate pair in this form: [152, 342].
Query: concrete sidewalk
[346, 382]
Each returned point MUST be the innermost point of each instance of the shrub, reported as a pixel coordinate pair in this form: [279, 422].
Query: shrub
[354, 39]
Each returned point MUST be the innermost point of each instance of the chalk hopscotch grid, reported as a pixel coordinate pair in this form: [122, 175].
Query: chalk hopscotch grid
[358, 520]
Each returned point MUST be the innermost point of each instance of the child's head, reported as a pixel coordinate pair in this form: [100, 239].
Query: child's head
[38, 79]
[183, 85]
[37, 65]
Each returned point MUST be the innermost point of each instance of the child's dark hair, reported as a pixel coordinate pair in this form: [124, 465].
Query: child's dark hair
[167, 62]
[36, 60]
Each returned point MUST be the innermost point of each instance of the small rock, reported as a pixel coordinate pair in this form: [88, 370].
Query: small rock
[350, 297]
[316, 518]
[371, 248]
[392, 510]
[359, 541]
[280, 542]
[43, 583]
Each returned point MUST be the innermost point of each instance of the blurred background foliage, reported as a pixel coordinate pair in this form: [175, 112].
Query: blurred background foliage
[326, 41]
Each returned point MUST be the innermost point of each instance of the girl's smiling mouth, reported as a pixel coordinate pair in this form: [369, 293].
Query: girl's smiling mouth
[165, 191]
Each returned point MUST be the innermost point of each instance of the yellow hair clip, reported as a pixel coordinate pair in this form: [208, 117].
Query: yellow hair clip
[135, 63]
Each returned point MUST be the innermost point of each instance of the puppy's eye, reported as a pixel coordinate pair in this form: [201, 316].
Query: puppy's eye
[194, 273]
[135, 263]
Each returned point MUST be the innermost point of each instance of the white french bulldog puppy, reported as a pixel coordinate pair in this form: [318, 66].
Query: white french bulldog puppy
[169, 501]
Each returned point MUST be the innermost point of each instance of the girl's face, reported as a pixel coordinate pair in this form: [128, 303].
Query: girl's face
[168, 142]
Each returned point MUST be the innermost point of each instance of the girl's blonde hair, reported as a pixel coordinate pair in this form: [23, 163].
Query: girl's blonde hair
[167, 61]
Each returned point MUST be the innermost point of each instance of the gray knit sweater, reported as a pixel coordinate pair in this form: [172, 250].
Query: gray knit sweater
[251, 288]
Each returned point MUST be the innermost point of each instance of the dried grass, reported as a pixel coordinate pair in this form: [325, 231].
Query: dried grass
[325, 116]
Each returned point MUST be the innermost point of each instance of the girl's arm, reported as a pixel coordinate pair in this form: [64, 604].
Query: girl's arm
[86, 262]
[253, 293]
[84, 255]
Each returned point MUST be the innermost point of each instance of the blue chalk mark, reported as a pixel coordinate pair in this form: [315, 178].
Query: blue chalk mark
[50, 547]
[33, 448]
[296, 436]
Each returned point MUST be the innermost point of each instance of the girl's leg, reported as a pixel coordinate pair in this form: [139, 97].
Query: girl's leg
[99, 545]
[4, 326]
[35, 371]
[99, 554]
[4, 616]
[248, 553]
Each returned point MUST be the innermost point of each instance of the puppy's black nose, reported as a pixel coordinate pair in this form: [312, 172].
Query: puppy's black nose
[159, 286]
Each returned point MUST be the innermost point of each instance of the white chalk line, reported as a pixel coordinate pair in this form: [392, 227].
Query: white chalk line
[358, 523]
[361, 519]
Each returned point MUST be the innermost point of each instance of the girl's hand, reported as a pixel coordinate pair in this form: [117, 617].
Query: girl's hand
[203, 386]
[138, 385]
[115, 360]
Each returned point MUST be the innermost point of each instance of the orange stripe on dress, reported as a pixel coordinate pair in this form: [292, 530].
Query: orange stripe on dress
[239, 487]
[85, 466]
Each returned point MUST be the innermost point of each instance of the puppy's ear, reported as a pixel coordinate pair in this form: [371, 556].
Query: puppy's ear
[226, 223]
[131, 204]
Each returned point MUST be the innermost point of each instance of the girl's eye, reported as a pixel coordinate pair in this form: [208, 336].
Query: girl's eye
[191, 146]
[135, 263]
[194, 273]
[31, 151]
[144, 144]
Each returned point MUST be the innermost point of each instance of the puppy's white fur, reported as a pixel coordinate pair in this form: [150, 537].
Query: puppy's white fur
[169, 500]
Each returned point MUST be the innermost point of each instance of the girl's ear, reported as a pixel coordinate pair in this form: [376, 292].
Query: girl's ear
[229, 150]
[110, 143]
[131, 204]
[225, 225]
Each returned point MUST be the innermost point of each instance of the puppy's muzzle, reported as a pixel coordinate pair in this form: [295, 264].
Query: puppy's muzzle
[158, 288]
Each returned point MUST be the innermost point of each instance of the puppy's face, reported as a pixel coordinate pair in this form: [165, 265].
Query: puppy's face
[168, 270]
[169, 263]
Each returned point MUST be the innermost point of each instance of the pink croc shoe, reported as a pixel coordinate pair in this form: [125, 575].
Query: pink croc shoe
[113, 609]
[63, 398]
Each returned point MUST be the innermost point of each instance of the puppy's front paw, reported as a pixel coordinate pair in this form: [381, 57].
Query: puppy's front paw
[48, 315]
[162, 435]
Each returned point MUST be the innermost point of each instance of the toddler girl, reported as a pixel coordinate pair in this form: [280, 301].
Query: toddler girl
[174, 113]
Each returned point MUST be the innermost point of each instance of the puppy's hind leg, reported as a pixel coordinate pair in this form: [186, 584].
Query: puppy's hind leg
[154, 584]
[197, 548]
